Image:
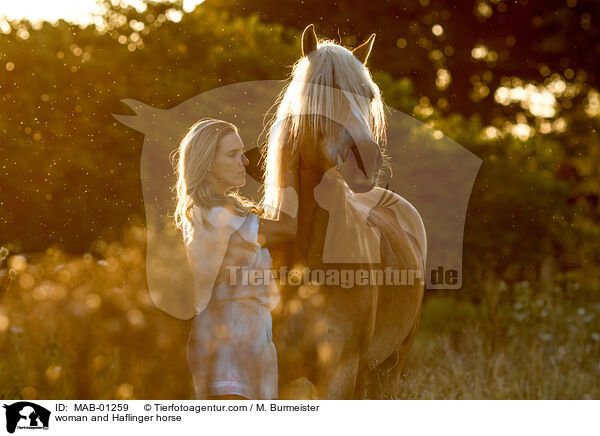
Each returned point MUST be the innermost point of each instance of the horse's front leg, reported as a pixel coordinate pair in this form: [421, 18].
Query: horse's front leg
[338, 380]
[337, 358]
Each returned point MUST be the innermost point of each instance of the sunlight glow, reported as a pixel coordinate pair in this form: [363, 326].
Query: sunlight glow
[443, 79]
[592, 104]
[75, 11]
[82, 12]
[483, 10]
[521, 131]
[479, 52]
[490, 132]
[540, 101]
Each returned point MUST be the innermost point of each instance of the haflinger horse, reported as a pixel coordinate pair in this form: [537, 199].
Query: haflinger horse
[337, 339]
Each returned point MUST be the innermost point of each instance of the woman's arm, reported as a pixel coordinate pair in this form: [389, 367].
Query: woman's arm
[273, 232]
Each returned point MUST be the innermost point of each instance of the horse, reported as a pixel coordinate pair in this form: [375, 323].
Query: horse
[337, 340]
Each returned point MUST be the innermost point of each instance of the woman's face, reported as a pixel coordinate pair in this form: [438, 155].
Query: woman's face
[228, 169]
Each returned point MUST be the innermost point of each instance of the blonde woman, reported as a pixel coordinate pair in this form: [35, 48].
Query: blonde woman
[230, 350]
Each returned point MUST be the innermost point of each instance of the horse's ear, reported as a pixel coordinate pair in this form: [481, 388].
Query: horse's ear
[309, 40]
[362, 51]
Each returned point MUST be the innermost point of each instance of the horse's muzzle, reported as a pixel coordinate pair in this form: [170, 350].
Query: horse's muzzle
[361, 174]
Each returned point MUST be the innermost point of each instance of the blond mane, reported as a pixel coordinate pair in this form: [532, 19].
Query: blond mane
[324, 83]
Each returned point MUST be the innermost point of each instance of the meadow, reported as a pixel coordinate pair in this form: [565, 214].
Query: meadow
[85, 327]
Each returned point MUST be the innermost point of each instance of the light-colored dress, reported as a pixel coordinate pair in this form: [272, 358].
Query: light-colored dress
[230, 348]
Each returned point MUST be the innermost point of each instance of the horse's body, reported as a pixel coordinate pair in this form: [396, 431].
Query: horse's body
[351, 343]
[348, 342]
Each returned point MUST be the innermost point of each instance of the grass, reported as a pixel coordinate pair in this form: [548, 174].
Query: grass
[540, 346]
[85, 328]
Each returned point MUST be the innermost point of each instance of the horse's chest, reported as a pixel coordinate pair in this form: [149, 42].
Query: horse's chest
[311, 314]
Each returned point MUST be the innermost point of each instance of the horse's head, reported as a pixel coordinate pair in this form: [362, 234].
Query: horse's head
[331, 112]
[347, 145]
[344, 116]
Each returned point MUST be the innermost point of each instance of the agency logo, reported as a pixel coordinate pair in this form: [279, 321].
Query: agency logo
[26, 415]
[426, 196]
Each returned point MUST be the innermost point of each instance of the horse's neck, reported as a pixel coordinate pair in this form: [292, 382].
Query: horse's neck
[312, 222]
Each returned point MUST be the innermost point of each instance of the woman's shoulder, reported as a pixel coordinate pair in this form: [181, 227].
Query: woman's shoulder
[217, 216]
[223, 222]
[223, 216]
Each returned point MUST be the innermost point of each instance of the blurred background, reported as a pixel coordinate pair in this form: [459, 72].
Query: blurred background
[515, 82]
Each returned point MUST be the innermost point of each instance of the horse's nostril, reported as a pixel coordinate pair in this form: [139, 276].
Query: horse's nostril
[358, 159]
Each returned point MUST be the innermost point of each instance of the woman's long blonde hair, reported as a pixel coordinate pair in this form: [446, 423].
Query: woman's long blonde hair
[191, 162]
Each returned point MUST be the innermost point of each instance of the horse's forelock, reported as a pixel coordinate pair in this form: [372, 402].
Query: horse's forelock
[332, 65]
